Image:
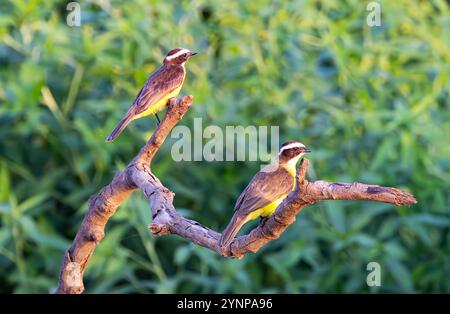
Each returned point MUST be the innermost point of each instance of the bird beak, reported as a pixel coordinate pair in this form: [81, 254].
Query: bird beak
[306, 150]
[193, 54]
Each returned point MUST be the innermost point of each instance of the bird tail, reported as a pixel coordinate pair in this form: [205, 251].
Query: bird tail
[236, 223]
[120, 127]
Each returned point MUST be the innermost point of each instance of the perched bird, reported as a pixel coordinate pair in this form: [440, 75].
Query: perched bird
[266, 190]
[163, 84]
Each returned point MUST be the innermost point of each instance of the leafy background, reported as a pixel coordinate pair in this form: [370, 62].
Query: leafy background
[372, 102]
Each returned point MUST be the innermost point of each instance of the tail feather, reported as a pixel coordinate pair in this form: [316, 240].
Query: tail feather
[119, 128]
[236, 223]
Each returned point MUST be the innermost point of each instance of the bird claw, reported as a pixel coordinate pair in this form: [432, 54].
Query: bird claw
[263, 220]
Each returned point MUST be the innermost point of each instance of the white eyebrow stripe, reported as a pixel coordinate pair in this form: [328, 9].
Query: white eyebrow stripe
[289, 146]
[179, 53]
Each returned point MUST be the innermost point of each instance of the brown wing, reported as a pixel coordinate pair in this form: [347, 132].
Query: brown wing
[264, 188]
[162, 82]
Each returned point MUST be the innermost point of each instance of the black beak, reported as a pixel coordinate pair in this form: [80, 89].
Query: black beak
[306, 150]
[193, 54]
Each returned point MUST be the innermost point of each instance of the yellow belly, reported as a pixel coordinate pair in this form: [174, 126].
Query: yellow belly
[159, 105]
[267, 210]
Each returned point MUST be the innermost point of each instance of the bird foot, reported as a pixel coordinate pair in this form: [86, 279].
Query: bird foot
[263, 220]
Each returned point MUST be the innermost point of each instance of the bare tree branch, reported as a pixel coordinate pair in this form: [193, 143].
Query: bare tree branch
[103, 205]
[166, 220]
[306, 193]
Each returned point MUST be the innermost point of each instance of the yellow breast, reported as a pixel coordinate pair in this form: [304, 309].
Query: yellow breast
[267, 210]
[159, 105]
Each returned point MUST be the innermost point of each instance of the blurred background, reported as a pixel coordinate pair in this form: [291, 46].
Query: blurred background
[372, 103]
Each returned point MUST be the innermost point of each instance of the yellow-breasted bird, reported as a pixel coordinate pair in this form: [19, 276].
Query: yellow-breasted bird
[163, 84]
[266, 190]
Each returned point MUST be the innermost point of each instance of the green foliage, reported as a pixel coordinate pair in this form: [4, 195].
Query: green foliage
[372, 103]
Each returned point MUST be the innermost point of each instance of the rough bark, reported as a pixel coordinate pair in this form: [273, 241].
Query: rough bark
[166, 220]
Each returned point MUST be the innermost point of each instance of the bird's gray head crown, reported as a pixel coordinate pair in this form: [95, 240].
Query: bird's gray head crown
[178, 56]
[291, 150]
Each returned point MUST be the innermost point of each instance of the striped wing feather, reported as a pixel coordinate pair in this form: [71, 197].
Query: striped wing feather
[162, 82]
[265, 188]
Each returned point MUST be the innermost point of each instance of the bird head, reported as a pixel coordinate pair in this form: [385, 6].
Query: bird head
[290, 152]
[178, 56]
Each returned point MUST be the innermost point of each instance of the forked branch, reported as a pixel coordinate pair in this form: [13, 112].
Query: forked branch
[166, 220]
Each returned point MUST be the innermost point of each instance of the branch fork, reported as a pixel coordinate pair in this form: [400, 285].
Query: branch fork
[166, 220]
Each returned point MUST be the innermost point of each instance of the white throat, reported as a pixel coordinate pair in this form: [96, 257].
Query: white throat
[293, 162]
